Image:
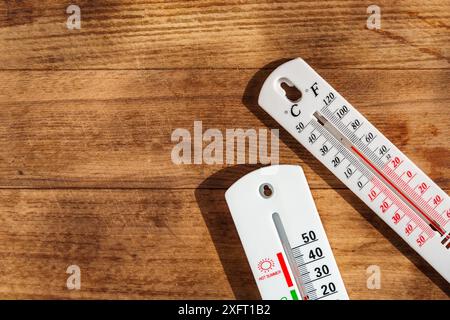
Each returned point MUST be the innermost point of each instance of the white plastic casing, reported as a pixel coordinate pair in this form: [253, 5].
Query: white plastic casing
[292, 200]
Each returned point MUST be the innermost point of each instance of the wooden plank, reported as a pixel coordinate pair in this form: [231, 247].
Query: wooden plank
[232, 34]
[179, 244]
[90, 112]
[113, 128]
[124, 244]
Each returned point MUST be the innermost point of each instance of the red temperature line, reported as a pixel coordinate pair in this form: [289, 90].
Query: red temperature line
[441, 231]
[284, 268]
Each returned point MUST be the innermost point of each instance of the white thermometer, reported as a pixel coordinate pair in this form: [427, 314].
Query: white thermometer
[283, 237]
[361, 157]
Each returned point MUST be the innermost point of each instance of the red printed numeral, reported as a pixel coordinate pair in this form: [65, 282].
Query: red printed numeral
[423, 187]
[395, 162]
[437, 200]
[408, 229]
[384, 207]
[372, 195]
[421, 240]
[396, 217]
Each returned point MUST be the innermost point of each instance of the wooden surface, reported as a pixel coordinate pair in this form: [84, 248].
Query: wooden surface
[86, 118]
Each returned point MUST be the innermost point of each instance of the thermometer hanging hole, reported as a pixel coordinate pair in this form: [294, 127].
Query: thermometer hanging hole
[266, 190]
[292, 93]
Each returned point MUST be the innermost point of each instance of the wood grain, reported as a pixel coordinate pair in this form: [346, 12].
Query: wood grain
[86, 119]
[223, 34]
[113, 128]
[178, 243]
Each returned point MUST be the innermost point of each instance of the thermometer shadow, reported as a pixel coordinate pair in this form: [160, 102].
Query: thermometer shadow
[250, 100]
[217, 217]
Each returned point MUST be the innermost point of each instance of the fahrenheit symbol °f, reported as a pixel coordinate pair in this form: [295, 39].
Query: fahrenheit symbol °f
[315, 89]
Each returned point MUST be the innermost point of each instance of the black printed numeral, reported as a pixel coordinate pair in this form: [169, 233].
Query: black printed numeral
[328, 99]
[328, 288]
[342, 112]
[322, 271]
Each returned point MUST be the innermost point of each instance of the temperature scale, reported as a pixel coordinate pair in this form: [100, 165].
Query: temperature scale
[361, 157]
[283, 237]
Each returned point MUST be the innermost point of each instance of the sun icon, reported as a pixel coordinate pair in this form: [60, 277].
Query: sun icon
[265, 265]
